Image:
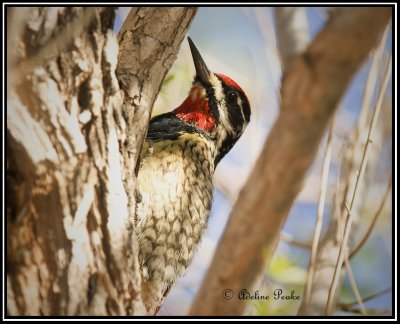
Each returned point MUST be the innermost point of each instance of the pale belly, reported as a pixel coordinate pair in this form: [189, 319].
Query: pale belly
[176, 187]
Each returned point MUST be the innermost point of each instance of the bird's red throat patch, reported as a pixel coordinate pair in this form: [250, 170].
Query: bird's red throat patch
[195, 110]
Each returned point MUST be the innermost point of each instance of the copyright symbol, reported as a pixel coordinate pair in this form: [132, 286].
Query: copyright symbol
[227, 294]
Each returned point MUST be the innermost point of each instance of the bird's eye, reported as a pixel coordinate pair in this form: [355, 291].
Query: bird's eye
[231, 96]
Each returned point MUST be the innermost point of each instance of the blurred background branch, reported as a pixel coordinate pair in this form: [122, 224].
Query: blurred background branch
[374, 220]
[356, 192]
[332, 241]
[292, 32]
[311, 89]
[320, 212]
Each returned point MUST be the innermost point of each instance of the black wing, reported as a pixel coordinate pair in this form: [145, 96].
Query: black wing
[168, 126]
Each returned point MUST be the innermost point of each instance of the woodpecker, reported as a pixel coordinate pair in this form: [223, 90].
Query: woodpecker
[175, 178]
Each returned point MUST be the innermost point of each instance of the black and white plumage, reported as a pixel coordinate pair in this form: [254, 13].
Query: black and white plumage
[178, 159]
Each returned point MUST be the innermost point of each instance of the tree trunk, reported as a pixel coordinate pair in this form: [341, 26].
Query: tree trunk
[73, 135]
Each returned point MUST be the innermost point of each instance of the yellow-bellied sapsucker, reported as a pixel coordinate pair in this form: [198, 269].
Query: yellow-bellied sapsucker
[178, 160]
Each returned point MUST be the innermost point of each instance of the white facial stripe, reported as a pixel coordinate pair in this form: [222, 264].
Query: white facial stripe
[220, 97]
[239, 102]
[217, 85]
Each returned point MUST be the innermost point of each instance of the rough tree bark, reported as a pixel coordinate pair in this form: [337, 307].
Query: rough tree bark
[311, 89]
[73, 133]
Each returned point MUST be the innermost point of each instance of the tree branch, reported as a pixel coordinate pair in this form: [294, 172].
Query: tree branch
[311, 90]
[292, 32]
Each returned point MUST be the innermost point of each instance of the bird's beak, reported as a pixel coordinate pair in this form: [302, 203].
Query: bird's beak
[202, 72]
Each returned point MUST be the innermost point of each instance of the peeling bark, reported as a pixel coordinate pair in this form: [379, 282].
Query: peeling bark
[71, 249]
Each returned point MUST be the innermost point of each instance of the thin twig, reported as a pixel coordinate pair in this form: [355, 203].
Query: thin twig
[360, 176]
[337, 209]
[352, 279]
[320, 213]
[365, 299]
[289, 239]
[375, 218]
[366, 103]
[347, 209]
[369, 311]
[353, 284]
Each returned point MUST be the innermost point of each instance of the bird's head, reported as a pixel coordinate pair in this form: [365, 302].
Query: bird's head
[216, 104]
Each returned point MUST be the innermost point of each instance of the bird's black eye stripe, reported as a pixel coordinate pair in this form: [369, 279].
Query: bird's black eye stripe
[212, 102]
[231, 96]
